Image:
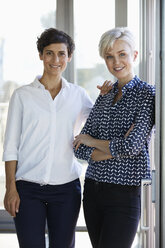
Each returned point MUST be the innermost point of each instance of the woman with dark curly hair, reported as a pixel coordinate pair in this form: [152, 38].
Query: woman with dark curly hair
[42, 175]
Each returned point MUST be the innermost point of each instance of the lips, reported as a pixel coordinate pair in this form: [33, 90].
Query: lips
[118, 68]
[55, 66]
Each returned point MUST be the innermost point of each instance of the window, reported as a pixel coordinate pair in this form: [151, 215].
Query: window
[92, 19]
[20, 24]
[133, 22]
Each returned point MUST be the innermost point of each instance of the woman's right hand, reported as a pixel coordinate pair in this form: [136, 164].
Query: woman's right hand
[98, 155]
[12, 202]
[128, 132]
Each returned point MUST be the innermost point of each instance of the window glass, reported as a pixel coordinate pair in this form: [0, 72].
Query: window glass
[133, 20]
[92, 19]
[20, 24]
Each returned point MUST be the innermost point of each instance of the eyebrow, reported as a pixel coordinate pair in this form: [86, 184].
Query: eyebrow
[121, 51]
[49, 50]
[117, 52]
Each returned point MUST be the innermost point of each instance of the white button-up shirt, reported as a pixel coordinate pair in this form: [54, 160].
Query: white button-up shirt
[40, 132]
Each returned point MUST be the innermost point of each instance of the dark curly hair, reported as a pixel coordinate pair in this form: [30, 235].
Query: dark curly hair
[52, 35]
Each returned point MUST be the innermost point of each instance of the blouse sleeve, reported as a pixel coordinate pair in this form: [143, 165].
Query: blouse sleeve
[87, 105]
[137, 139]
[13, 129]
[86, 108]
[84, 152]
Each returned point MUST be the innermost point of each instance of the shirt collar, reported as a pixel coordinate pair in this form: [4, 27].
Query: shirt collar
[36, 83]
[129, 85]
[65, 83]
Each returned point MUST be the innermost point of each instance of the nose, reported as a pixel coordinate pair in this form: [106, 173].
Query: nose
[55, 58]
[116, 60]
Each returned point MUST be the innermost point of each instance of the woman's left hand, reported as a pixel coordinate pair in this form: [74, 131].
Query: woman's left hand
[105, 88]
[85, 139]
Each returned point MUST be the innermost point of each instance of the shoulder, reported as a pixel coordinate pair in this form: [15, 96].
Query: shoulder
[145, 89]
[21, 91]
[23, 88]
[76, 89]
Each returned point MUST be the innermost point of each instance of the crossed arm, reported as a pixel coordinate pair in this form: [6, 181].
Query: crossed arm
[101, 151]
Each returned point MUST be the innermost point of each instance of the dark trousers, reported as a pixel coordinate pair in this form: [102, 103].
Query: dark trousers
[59, 205]
[112, 214]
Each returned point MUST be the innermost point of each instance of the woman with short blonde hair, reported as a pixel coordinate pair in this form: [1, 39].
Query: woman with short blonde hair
[114, 142]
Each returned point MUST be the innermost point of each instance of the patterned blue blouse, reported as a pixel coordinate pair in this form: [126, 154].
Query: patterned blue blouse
[108, 121]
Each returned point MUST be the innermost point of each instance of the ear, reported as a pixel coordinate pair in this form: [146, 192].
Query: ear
[135, 55]
[41, 56]
[70, 58]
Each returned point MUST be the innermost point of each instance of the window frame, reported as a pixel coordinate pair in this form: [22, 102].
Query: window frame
[65, 22]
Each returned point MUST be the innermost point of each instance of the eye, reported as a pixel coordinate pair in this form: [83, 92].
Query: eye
[122, 54]
[109, 57]
[62, 53]
[48, 53]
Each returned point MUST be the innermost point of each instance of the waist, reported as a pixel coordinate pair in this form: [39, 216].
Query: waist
[48, 173]
[37, 184]
[111, 185]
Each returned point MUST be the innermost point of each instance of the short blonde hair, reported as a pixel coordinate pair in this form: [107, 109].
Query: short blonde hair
[108, 38]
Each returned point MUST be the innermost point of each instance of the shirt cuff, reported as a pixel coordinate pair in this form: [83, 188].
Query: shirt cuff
[113, 147]
[11, 157]
[89, 153]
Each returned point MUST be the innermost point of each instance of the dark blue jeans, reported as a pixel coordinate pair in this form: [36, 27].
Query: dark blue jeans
[112, 214]
[59, 205]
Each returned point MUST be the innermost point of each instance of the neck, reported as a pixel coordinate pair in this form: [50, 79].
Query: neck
[51, 82]
[124, 81]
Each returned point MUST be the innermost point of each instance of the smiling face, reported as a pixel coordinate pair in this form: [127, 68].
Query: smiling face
[55, 59]
[120, 59]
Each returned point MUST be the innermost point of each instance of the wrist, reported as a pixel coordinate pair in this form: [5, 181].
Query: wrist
[93, 142]
[10, 186]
